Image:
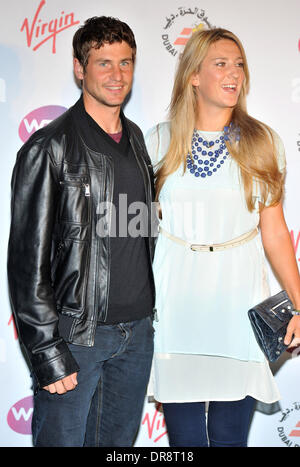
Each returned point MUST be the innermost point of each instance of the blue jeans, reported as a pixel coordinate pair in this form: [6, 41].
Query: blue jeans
[227, 423]
[106, 406]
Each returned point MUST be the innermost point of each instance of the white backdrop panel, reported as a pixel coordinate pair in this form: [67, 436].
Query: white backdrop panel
[36, 72]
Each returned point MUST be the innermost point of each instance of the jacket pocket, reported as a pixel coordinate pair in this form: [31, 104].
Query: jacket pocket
[70, 270]
[75, 199]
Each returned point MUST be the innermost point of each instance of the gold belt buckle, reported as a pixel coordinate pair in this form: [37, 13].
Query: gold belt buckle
[193, 247]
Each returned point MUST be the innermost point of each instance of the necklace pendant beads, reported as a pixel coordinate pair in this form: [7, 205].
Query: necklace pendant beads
[207, 156]
[232, 133]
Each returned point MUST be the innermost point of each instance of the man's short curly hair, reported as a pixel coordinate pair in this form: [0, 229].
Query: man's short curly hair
[98, 31]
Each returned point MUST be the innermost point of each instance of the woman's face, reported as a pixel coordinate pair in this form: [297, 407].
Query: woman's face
[218, 83]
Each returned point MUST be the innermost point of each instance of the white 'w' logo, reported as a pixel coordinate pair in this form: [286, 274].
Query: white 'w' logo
[22, 413]
[34, 126]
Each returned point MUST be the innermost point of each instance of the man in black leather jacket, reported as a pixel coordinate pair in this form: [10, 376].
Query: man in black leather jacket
[81, 289]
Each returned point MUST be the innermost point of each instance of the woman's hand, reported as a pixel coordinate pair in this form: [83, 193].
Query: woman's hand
[280, 252]
[292, 337]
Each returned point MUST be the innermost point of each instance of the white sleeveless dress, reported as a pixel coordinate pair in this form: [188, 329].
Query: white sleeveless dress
[205, 349]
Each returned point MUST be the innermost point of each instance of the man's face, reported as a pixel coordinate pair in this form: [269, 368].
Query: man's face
[108, 76]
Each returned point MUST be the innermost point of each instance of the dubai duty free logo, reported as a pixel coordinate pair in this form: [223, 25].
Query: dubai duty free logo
[288, 429]
[179, 26]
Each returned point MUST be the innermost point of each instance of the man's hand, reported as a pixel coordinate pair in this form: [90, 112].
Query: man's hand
[63, 385]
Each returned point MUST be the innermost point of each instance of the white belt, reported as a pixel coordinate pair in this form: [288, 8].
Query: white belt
[214, 247]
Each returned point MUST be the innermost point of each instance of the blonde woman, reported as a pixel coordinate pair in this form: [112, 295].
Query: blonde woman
[219, 183]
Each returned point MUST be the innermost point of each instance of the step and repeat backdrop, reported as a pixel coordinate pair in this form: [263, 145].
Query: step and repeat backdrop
[37, 85]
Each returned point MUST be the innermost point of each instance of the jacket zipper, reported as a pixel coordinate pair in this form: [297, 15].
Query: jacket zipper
[85, 186]
[87, 192]
[148, 192]
[57, 256]
[148, 177]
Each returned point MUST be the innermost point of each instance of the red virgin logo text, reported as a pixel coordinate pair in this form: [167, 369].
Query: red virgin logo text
[39, 31]
[12, 323]
[155, 424]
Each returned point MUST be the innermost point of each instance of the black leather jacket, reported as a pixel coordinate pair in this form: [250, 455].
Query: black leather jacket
[58, 267]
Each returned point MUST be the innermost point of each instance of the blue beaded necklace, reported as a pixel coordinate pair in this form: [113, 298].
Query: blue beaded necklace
[213, 158]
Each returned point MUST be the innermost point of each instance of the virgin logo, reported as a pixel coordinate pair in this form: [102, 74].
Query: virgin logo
[156, 425]
[39, 118]
[20, 415]
[12, 321]
[39, 31]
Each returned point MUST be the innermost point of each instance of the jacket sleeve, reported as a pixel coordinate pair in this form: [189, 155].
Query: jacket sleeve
[34, 197]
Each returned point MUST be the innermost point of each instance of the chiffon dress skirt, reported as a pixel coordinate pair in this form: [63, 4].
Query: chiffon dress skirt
[205, 349]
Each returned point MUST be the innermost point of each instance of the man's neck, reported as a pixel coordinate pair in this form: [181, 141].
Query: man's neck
[108, 118]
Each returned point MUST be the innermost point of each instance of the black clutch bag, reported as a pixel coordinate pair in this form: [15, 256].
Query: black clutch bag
[269, 320]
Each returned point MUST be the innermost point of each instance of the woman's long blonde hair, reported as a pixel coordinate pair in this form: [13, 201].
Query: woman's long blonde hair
[254, 153]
